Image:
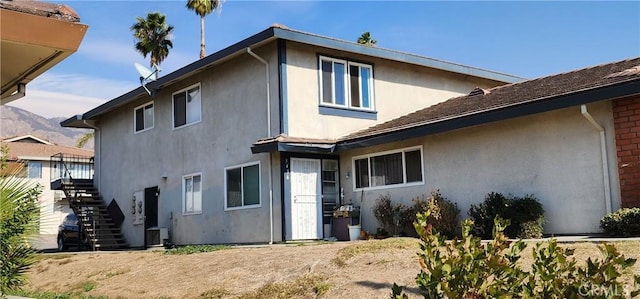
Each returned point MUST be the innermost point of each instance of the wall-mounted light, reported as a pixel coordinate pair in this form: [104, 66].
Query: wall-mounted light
[164, 176]
[347, 175]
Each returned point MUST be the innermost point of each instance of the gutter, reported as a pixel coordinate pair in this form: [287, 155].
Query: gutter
[269, 166]
[603, 153]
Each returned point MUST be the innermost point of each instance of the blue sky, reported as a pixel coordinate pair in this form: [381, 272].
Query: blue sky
[527, 39]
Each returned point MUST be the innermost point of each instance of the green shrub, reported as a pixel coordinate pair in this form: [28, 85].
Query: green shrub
[19, 211]
[624, 222]
[191, 249]
[447, 224]
[388, 214]
[525, 214]
[470, 268]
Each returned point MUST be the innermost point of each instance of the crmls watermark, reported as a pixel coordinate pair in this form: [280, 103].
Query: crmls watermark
[606, 291]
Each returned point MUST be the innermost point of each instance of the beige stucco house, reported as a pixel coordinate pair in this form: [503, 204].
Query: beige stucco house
[30, 157]
[260, 141]
[186, 150]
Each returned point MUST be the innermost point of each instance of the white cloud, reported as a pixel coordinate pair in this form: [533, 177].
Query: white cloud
[65, 95]
[56, 104]
[121, 53]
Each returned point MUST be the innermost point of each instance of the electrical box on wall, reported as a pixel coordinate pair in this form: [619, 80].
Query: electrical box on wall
[137, 209]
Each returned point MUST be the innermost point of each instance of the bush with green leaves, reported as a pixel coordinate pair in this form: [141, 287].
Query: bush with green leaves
[624, 222]
[525, 214]
[388, 214]
[19, 211]
[448, 223]
[470, 268]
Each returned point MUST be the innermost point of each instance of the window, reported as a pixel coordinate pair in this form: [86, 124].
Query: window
[346, 84]
[192, 194]
[389, 168]
[143, 117]
[186, 106]
[242, 186]
[35, 169]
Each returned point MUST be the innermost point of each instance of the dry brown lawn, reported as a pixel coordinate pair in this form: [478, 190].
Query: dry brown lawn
[361, 269]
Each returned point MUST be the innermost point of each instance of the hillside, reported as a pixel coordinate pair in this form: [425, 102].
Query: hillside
[15, 121]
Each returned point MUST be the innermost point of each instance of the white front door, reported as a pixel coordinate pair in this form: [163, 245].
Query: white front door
[306, 199]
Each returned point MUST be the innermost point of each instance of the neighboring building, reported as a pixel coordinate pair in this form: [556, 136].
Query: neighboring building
[34, 36]
[29, 157]
[187, 150]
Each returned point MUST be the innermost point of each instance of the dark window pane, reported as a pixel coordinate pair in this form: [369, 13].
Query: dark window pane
[326, 82]
[362, 173]
[355, 87]
[413, 163]
[251, 185]
[234, 187]
[179, 109]
[340, 82]
[140, 119]
[386, 170]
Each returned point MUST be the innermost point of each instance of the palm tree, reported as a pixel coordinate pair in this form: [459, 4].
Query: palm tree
[365, 39]
[152, 37]
[19, 211]
[203, 8]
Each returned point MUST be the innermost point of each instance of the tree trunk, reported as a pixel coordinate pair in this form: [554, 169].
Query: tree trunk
[202, 52]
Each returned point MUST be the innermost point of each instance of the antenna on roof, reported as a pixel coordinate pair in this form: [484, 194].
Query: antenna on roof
[146, 75]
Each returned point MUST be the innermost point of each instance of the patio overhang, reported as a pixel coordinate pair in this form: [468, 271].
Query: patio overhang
[34, 36]
[283, 143]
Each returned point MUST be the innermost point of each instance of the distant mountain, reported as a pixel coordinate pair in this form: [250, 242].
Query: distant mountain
[15, 121]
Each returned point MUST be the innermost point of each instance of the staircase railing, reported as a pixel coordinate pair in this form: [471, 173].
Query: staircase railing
[64, 169]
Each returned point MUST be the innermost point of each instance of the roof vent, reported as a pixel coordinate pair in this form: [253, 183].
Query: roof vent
[628, 72]
[478, 91]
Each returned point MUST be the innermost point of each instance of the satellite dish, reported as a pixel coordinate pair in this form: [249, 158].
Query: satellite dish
[146, 75]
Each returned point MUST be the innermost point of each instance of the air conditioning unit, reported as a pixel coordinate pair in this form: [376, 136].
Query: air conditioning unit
[156, 236]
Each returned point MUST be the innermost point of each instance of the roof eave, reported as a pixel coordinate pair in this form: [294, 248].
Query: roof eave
[609, 92]
[316, 40]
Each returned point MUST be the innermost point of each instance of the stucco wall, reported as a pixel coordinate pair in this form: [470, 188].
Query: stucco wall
[52, 212]
[233, 117]
[399, 88]
[554, 155]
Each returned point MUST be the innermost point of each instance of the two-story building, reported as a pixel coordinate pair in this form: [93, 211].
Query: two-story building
[30, 157]
[187, 148]
[260, 141]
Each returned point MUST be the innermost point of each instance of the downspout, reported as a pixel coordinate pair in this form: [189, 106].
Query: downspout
[603, 153]
[266, 64]
[96, 129]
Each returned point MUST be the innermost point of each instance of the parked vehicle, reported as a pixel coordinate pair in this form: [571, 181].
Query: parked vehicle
[68, 232]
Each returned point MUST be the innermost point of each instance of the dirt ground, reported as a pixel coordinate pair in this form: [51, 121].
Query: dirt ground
[368, 270]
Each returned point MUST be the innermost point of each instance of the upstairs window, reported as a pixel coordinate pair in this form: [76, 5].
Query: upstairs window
[187, 106]
[143, 117]
[346, 84]
[389, 168]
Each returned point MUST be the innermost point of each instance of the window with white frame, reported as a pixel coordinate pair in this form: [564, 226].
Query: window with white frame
[34, 169]
[242, 186]
[389, 168]
[187, 106]
[192, 194]
[346, 84]
[143, 117]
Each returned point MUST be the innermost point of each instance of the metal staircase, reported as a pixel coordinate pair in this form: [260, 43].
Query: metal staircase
[73, 175]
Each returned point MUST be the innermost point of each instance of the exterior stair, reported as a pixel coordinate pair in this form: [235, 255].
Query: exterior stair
[93, 217]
